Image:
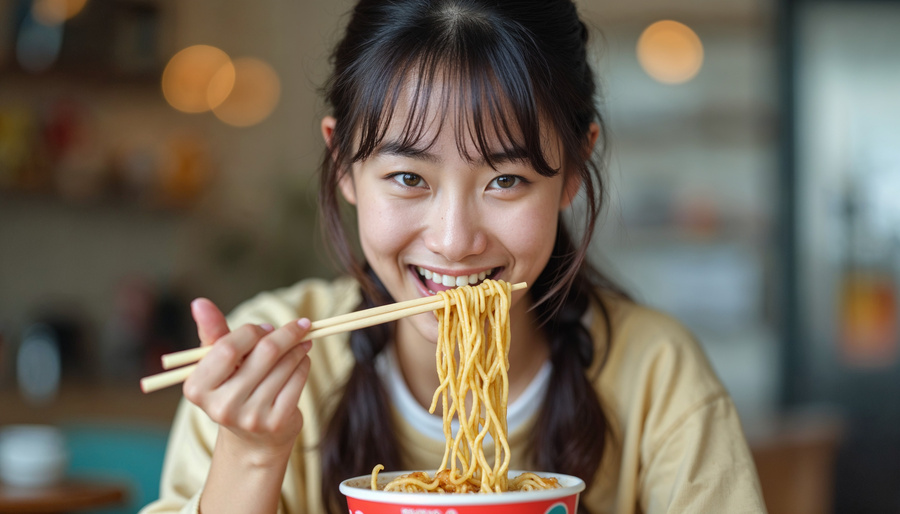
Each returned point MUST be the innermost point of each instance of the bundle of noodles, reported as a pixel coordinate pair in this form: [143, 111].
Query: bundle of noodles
[473, 324]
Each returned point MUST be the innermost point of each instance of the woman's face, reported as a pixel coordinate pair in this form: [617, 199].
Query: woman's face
[432, 219]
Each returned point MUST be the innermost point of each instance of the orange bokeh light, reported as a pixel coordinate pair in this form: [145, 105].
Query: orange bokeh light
[254, 96]
[187, 81]
[54, 12]
[670, 52]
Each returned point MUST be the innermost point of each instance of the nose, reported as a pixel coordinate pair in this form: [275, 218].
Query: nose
[455, 228]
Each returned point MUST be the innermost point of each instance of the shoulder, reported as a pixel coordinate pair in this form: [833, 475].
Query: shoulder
[677, 438]
[654, 363]
[312, 298]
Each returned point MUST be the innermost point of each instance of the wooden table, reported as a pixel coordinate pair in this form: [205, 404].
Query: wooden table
[69, 496]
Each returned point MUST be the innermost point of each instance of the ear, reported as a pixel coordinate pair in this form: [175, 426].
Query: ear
[570, 189]
[328, 124]
[573, 182]
[348, 188]
[593, 134]
[345, 183]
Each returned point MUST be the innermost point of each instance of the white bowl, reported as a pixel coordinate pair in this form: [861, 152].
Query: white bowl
[32, 455]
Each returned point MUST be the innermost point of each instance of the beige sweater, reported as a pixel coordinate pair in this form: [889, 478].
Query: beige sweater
[676, 445]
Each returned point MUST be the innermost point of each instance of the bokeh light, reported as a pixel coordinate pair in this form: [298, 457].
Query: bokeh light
[187, 80]
[54, 12]
[254, 96]
[220, 85]
[670, 52]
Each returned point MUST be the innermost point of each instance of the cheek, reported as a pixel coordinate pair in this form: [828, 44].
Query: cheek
[530, 234]
[384, 228]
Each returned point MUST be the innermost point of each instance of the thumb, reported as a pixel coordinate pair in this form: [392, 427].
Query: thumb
[211, 324]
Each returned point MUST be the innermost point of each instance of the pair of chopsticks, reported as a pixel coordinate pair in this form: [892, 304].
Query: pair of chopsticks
[318, 329]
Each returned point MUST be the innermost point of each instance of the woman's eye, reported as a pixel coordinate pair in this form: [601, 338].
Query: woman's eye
[505, 182]
[408, 179]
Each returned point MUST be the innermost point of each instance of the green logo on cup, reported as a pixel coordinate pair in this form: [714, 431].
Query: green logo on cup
[559, 508]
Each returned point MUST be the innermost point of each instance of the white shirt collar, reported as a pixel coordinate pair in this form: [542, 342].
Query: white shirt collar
[431, 425]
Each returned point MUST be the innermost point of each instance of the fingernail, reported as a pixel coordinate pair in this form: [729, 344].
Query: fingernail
[306, 345]
[266, 327]
[304, 323]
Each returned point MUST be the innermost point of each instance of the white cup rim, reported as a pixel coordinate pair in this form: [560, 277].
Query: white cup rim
[359, 488]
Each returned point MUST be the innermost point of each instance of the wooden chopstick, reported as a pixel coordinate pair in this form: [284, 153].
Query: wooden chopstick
[318, 329]
[166, 378]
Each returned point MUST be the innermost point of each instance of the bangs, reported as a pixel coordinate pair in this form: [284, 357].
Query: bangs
[455, 75]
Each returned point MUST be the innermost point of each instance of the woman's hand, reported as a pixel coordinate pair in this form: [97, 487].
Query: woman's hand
[250, 383]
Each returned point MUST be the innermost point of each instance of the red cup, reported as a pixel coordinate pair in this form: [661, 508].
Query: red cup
[361, 499]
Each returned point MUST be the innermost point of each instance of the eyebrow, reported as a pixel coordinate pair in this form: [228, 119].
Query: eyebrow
[396, 148]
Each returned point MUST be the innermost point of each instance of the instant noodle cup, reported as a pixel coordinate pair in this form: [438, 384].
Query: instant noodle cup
[361, 499]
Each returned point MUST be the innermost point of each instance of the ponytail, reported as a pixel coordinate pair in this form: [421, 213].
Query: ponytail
[360, 433]
[570, 433]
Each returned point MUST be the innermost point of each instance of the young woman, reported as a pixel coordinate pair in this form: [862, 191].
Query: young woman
[461, 131]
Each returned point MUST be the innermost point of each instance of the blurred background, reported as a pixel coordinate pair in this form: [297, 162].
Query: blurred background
[152, 151]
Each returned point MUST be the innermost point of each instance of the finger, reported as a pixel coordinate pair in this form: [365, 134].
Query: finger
[270, 349]
[226, 357]
[211, 324]
[268, 389]
[288, 399]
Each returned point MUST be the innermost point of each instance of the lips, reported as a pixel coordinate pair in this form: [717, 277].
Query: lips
[436, 282]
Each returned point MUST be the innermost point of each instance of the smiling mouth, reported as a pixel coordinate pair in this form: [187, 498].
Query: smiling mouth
[436, 282]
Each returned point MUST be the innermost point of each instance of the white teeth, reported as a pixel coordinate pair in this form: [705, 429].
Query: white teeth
[450, 280]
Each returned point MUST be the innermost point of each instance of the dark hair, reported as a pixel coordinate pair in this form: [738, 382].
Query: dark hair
[512, 67]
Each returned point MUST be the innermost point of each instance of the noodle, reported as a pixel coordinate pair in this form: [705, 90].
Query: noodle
[475, 390]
